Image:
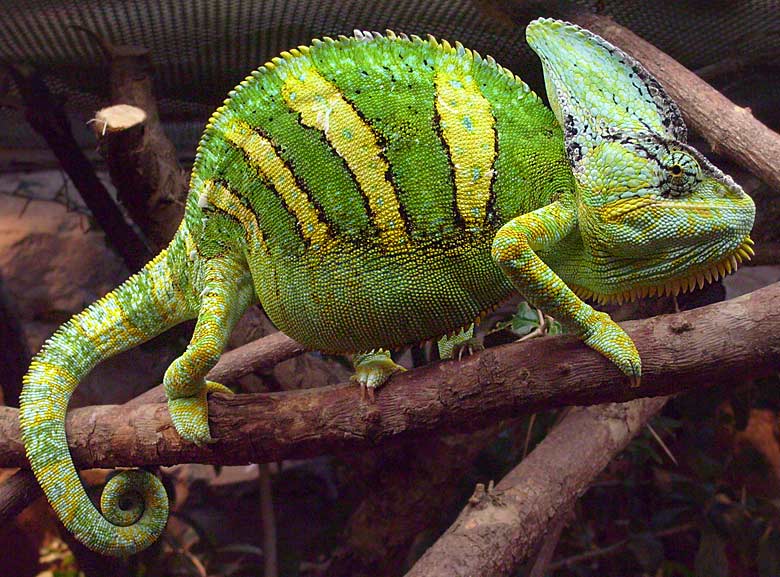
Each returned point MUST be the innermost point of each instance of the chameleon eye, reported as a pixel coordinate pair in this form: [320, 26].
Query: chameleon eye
[681, 173]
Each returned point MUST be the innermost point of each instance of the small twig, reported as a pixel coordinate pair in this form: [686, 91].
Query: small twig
[528, 432]
[617, 547]
[660, 441]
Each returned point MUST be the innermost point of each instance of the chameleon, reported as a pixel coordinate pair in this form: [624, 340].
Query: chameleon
[380, 190]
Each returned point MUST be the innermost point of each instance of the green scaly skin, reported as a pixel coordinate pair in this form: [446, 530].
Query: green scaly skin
[377, 191]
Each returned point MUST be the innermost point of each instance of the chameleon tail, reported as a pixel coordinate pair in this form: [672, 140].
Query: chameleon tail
[134, 503]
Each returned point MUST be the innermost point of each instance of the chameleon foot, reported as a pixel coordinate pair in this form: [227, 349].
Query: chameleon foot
[606, 337]
[372, 371]
[463, 343]
[190, 414]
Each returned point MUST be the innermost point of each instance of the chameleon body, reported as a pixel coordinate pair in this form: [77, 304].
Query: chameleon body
[377, 191]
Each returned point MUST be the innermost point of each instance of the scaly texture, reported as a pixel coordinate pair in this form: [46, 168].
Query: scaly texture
[377, 191]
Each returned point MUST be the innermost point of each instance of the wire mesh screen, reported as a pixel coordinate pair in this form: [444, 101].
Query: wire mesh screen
[202, 48]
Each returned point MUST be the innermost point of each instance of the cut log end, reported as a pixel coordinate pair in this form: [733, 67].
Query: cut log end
[117, 118]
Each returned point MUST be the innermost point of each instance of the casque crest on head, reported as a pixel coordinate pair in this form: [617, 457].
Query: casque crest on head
[596, 89]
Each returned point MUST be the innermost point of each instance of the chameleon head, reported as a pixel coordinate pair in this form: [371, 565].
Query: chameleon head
[655, 217]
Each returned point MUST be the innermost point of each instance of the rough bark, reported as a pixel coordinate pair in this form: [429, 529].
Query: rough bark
[730, 130]
[17, 492]
[141, 160]
[258, 355]
[498, 529]
[714, 344]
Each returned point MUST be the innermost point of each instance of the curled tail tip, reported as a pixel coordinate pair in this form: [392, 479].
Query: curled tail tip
[134, 513]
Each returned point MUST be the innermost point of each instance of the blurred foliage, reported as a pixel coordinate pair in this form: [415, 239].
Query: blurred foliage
[56, 560]
[714, 514]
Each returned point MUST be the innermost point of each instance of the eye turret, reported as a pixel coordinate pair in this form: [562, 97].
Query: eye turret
[680, 173]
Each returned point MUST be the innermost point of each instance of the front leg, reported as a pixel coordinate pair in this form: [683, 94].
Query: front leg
[227, 294]
[514, 250]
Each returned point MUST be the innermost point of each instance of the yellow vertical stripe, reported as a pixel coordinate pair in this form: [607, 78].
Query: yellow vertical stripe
[322, 106]
[222, 198]
[468, 129]
[261, 153]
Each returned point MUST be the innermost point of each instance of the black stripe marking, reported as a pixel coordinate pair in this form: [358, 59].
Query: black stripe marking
[381, 142]
[265, 182]
[299, 182]
[457, 216]
[490, 208]
[323, 139]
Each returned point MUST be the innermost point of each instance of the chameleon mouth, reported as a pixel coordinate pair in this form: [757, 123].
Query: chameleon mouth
[697, 277]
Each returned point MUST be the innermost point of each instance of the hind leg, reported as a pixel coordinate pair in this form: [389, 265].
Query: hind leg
[226, 295]
[459, 344]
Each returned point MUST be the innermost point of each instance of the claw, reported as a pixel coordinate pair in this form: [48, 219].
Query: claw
[372, 370]
[367, 393]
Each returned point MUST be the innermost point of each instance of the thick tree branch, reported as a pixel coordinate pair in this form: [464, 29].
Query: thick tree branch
[498, 530]
[17, 492]
[719, 343]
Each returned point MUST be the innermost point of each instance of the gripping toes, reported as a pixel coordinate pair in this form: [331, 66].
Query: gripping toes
[372, 370]
[190, 415]
[605, 336]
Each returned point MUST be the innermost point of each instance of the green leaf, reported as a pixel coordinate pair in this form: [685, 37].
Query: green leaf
[524, 320]
[711, 558]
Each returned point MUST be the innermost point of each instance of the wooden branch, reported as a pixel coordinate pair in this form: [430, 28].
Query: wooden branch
[258, 355]
[731, 131]
[47, 117]
[497, 530]
[17, 492]
[714, 344]
[141, 160]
